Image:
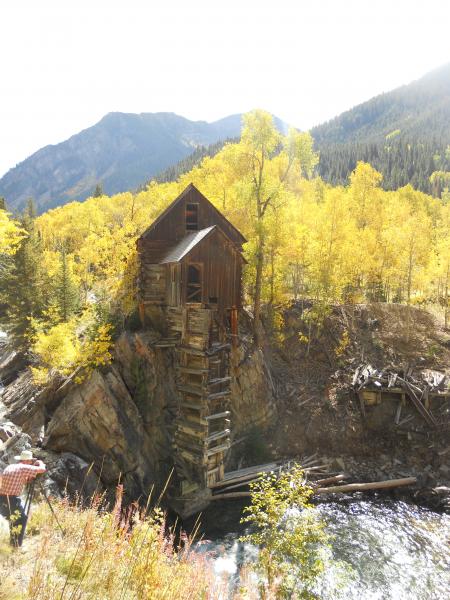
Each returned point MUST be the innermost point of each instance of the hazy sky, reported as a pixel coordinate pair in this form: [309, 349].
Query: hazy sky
[66, 63]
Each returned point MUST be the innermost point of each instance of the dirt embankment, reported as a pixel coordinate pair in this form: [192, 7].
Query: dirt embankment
[318, 411]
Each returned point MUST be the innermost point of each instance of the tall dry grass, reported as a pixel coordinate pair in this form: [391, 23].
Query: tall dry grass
[104, 554]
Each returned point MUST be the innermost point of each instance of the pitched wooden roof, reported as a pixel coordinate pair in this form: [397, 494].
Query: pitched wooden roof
[189, 188]
[190, 241]
[186, 245]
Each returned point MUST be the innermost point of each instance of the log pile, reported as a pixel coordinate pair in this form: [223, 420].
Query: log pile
[228, 488]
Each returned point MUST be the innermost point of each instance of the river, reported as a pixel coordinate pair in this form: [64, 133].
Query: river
[379, 550]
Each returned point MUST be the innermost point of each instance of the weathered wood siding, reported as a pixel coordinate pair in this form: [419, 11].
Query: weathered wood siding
[221, 271]
[171, 228]
[152, 282]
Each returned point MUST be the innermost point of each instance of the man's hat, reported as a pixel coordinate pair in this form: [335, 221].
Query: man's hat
[25, 455]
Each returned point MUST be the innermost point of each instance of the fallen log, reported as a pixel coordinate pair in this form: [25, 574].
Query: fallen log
[328, 480]
[231, 495]
[361, 487]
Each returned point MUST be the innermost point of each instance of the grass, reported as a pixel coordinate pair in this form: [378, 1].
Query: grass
[121, 554]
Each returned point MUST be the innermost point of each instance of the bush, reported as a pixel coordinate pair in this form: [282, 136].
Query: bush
[288, 533]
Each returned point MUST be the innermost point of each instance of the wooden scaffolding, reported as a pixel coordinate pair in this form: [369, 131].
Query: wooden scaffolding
[202, 427]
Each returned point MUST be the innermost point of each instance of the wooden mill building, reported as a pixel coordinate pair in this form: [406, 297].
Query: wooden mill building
[190, 269]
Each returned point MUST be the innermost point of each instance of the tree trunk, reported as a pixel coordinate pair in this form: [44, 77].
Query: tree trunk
[258, 286]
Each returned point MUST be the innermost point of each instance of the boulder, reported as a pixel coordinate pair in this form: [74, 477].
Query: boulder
[69, 474]
[11, 364]
[29, 405]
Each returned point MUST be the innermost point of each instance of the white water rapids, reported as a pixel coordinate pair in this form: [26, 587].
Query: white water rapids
[379, 551]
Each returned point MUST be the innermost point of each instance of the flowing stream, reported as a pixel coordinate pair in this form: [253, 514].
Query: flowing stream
[379, 550]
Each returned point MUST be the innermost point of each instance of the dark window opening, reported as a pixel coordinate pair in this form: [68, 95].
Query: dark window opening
[194, 284]
[192, 217]
[213, 300]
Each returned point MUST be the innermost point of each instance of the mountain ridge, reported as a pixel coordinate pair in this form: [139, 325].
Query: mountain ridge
[121, 151]
[403, 133]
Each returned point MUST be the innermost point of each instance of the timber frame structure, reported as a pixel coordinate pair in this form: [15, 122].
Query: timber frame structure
[190, 268]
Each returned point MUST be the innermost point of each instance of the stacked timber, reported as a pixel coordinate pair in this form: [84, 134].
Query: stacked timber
[202, 427]
[152, 283]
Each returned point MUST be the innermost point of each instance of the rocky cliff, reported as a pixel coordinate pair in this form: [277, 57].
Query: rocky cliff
[121, 417]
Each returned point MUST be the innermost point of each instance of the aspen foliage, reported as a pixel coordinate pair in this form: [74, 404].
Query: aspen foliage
[11, 234]
[306, 239]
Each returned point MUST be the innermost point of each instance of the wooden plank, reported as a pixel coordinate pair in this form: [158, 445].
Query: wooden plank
[187, 389]
[217, 395]
[352, 487]
[193, 370]
[192, 457]
[222, 448]
[251, 470]
[193, 445]
[398, 412]
[198, 427]
[191, 406]
[219, 380]
[217, 436]
[220, 415]
[214, 350]
[194, 351]
[420, 407]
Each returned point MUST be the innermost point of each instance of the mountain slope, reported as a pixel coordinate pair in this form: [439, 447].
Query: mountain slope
[121, 151]
[403, 133]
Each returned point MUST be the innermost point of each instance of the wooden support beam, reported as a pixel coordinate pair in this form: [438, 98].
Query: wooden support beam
[222, 448]
[165, 344]
[216, 395]
[217, 436]
[225, 413]
[215, 349]
[190, 406]
[418, 404]
[253, 470]
[219, 380]
[187, 389]
[193, 370]
[189, 350]
[180, 422]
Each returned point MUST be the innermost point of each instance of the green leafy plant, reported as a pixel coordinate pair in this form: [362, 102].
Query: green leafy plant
[288, 533]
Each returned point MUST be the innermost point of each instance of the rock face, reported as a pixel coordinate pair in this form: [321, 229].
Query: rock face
[121, 418]
[252, 391]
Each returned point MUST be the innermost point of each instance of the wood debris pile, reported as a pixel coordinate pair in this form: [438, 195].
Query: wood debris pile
[316, 473]
[420, 388]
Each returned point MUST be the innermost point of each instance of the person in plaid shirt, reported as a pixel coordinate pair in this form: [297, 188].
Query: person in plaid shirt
[12, 481]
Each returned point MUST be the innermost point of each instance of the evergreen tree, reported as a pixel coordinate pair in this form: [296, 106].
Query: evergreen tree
[2, 203]
[23, 282]
[98, 191]
[65, 290]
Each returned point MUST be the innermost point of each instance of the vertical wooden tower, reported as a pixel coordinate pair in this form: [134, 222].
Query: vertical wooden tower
[190, 289]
